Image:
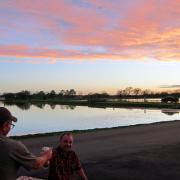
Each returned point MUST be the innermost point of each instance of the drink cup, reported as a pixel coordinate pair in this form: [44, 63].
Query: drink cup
[45, 148]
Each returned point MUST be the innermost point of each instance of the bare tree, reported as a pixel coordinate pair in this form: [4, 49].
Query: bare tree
[137, 91]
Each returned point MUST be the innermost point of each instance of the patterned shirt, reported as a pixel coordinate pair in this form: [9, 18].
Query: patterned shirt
[63, 165]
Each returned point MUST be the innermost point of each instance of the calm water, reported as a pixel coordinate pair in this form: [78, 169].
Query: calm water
[60, 118]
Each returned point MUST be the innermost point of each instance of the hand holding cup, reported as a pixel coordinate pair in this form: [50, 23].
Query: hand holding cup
[48, 152]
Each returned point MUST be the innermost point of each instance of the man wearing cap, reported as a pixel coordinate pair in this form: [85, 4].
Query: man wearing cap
[14, 154]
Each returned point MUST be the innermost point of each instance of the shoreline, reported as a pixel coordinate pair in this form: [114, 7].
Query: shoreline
[26, 136]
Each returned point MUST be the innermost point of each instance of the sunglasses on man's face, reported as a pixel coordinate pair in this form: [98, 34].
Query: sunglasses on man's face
[12, 125]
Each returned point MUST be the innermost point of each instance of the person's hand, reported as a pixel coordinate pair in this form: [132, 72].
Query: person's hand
[47, 151]
[48, 154]
[43, 159]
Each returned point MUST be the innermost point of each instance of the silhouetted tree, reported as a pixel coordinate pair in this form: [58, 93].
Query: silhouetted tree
[66, 93]
[39, 95]
[137, 91]
[8, 96]
[72, 92]
[23, 95]
[128, 91]
[52, 94]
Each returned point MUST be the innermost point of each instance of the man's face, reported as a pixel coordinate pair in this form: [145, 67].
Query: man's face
[66, 142]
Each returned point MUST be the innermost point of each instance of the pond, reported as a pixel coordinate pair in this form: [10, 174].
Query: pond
[45, 118]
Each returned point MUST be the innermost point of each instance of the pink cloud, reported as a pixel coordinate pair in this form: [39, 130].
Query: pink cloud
[27, 52]
[144, 29]
[28, 61]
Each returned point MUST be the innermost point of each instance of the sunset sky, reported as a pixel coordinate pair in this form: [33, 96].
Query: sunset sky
[89, 45]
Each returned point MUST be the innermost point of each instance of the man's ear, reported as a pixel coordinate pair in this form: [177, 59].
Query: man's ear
[5, 126]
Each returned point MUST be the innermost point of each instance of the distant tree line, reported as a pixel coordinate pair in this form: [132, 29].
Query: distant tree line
[131, 92]
[25, 95]
[128, 92]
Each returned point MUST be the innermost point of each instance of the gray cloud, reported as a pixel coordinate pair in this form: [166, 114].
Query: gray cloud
[170, 86]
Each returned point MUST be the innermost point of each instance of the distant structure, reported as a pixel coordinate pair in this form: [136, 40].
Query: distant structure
[169, 99]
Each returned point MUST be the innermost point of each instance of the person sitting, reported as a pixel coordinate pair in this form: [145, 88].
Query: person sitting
[65, 164]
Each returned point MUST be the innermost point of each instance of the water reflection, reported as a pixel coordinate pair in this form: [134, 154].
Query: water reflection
[72, 107]
[39, 105]
[20, 105]
[27, 105]
[143, 100]
[42, 118]
[170, 111]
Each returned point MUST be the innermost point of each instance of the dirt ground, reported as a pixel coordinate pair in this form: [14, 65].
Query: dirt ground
[154, 164]
[148, 152]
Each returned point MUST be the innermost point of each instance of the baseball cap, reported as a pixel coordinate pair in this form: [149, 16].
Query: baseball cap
[5, 115]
